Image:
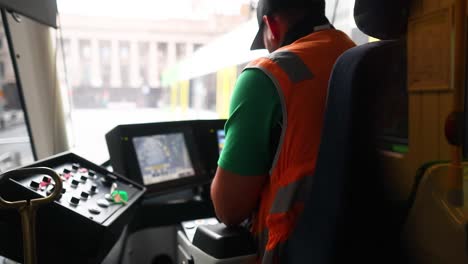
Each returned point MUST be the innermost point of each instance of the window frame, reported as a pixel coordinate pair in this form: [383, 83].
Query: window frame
[11, 49]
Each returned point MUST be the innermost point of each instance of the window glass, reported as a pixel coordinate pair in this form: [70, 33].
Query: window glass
[143, 61]
[15, 143]
[116, 58]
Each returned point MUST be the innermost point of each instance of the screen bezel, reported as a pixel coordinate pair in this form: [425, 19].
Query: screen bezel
[200, 176]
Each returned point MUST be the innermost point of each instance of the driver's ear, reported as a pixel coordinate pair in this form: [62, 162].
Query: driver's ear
[273, 26]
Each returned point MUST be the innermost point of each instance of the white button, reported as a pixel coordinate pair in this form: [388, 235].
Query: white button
[213, 221]
[200, 222]
[109, 197]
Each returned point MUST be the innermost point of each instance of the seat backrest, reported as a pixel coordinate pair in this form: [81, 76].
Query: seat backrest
[346, 216]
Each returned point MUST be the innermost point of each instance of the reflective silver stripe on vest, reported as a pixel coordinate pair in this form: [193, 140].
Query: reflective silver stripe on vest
[262, 241]
[288, 195]
[292, 65]
[274, 256]
[283, 109]
[268, 257]
[297, 71]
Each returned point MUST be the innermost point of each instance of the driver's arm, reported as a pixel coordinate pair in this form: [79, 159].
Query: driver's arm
[246, 159]
[234, 196]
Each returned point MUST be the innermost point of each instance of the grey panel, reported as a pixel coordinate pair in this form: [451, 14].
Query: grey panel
[43, 11]
[290, 194]
[292, 65]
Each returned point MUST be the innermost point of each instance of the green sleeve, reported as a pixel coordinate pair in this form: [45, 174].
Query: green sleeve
[255, 110]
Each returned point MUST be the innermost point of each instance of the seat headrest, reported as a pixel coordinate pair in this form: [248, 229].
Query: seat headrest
[382, 19]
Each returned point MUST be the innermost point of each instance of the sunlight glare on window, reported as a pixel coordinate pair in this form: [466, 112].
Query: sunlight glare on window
[117, 58]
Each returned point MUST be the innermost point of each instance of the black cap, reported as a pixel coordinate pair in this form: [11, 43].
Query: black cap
[269, 7]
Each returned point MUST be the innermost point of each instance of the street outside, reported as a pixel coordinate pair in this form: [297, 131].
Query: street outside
[89, 127]
[15, 147]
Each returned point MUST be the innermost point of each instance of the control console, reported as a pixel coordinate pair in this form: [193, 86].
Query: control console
[208, 241]
[83, 223]
[85, 191]
[169, 156]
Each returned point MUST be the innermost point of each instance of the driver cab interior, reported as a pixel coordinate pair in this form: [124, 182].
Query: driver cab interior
[374, 186]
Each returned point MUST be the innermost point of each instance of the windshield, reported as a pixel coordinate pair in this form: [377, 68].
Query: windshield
[152, 60]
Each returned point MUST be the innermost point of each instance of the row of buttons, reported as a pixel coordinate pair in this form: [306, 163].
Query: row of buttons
[50, 188]
[94, 188]
[103, 203]
[93, 210]
[44, 183]
[79, 176]
[77, 167]
[91, 173]
[74, 201]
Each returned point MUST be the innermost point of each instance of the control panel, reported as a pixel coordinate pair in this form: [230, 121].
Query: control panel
[85, 191]
[84, 222]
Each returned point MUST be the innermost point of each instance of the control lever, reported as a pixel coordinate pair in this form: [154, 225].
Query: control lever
[28, 208]
[118, 196]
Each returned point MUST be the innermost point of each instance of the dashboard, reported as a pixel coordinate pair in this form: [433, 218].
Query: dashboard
[168, 156]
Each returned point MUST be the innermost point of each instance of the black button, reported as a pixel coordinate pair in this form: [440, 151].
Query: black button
[91, 173]
[94, 188]
[74, 201]
[75, 166]
[34, 184]
[64, 190]
[94, 210]
[84, 195]
[66, 171]
[83, 178]
[46, 179]
[75, 182]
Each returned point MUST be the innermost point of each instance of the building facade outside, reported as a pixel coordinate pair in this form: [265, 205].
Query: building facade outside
[120, 60]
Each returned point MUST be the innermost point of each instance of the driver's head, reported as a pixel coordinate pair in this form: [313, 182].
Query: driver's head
[276, 17]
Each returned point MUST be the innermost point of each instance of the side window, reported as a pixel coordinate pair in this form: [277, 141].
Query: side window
[15, 143]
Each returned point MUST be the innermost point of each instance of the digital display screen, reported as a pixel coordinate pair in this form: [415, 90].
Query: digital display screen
[163, 158]
[221, 139]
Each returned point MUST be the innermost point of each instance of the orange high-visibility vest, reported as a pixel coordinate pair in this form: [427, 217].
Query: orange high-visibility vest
[300, 72]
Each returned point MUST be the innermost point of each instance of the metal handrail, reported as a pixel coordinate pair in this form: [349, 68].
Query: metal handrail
[28, 208]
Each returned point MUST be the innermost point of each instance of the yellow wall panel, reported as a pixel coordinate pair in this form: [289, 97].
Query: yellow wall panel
[430, 127]
[446, 106]
[225, 80]
[184, 95]
[430, 52]
[174, 96]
